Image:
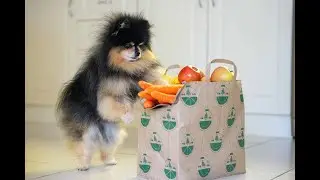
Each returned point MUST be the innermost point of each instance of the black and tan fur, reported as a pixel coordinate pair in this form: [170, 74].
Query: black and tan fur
[105, 87]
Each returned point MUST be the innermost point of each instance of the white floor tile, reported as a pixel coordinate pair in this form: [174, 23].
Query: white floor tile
[287, 176]
[125, 169]
[266, 159]
[253, 140]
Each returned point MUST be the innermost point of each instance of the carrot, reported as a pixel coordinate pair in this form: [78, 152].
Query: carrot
[146, 95]
[162, 97]
[160, 102]
[144, 85]
[166, 89]
[148, 104]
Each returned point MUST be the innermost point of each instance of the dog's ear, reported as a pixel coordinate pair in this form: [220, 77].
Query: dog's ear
[121, 25]
[124, 24]
[146, 24]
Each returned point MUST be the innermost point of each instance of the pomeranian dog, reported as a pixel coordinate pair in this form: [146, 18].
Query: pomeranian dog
[105, 88]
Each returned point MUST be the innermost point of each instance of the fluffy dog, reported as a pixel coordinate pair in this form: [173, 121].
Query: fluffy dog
[105, 88]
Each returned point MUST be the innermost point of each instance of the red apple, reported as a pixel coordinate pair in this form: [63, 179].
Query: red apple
[202, 74]
[189, 73]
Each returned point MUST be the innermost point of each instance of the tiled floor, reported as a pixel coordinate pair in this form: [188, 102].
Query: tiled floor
[49, 159]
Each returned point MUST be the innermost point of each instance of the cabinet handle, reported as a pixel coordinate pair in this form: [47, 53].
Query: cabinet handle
[70, 3]
[104, 1]
[212, 2]
[200, 3]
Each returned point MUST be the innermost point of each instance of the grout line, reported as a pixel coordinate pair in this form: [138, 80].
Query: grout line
[69, 170]
[282, 173]
[261, 143]
[36, 161]
[52, 174]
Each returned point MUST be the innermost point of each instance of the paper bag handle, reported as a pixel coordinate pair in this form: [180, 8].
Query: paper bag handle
[174, 66]
[208, 68]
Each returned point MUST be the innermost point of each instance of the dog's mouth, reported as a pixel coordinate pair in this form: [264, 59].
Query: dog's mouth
[131, 56]
[132, 59]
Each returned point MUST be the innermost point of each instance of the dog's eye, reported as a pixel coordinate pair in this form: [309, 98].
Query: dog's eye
[141, 44]
[128, 46]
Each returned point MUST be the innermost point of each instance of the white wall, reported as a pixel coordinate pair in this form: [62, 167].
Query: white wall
[45, 50]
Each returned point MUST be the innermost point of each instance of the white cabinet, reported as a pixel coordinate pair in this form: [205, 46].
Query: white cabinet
[179, 28]
[255, 34]
[45, 31]
[85, 19]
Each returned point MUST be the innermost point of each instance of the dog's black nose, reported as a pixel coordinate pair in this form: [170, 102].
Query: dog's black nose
[137, 53]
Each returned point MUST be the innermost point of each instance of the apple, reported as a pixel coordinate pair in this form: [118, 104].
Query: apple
[221, 74]
[201, 74]
[175, 80]
[232, 72]
[189, 73]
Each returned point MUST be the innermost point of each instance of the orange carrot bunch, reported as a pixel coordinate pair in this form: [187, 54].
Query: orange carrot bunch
[158, 94]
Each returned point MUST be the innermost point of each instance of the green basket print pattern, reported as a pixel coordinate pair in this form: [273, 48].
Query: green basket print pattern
[206, 120]
[222, 95]
[231, 163]
[204, 167]
[144, 164]
[189, 96]
[241, 96]
[187, 145]
[241, 138]
[145, 119]
[155, 142]
[231, 117]
[168, 121]
[216, 143]
[169, 170]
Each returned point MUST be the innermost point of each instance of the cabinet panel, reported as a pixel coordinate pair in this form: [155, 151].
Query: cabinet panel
[179, 30]
[86, 18]
[87, 32]
[256, 36]
[46, 50]
[91, 9]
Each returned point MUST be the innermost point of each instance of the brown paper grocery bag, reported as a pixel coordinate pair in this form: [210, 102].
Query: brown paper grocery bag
[200, 136]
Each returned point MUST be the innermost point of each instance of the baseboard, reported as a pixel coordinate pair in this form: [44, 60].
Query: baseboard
[256, 124]
[268, 125]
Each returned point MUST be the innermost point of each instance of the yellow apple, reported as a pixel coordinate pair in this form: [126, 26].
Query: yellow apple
[221, 74]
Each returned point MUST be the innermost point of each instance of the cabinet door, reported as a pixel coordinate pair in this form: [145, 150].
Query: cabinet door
[256, 35]
[179, 30]
[45, 50]
[85, 21]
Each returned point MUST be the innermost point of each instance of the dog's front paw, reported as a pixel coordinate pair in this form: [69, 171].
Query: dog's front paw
[110, 162]
[84, 168]
[127, 118]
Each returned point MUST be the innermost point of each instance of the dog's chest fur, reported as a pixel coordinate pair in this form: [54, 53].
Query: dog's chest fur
[118, 86]
[126, 86]
[118, 95]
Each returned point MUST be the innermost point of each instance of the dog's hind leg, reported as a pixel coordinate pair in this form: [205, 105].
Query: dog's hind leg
[85, 150]
[84, 153]
[108, 156]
